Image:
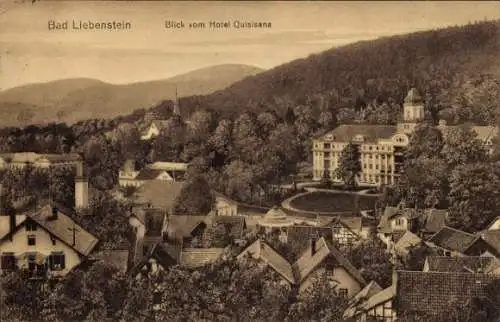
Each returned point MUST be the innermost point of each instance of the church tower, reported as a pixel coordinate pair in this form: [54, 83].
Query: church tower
[413, 112]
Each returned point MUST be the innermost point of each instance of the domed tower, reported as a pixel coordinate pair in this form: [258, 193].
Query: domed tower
[413, 112]
[413, 107]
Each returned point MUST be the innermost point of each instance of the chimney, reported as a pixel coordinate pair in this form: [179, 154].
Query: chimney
[394, 278]
[313, 246]
[81, 187]
[54, 213]
[12, 224]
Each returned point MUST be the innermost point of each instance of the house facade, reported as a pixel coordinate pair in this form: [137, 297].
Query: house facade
[45, 239]
[381, 146]
[319, 260]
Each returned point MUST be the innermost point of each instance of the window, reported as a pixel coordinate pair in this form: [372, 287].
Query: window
[327, 146]
[32, 262]
[343, 292]
[399, 222]
[145, 250]
[30, 225]
[57, 261]
[31, 240]
[327, 154]
[8, 261]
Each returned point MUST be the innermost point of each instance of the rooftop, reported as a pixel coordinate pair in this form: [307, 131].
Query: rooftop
[435, 292]
[369, 133]
[465, 264]
[453, 239]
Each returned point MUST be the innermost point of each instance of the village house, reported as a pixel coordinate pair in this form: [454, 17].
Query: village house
[318, 259]
[381, 146]
[454, 242]
[156, 125]
[43, 239]
[372, 303]
[130, 175]
[225, 206]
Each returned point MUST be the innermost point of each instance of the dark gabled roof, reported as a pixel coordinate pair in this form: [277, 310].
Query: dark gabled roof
[453, 239]
[433, 293]
[370, 133]
[148, 174]
[62, 228]
[160, 193]
[435, 220]
[465, 264]
[165, 255]
[181, 226]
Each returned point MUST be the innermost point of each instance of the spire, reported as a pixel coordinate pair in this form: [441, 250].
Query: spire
[176, 110]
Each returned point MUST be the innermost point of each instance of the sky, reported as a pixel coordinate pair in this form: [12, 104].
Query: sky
[30, 53]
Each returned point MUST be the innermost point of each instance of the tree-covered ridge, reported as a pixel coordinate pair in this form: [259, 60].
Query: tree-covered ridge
[442, 64]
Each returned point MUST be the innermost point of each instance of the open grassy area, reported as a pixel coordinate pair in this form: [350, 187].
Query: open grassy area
[333, 202]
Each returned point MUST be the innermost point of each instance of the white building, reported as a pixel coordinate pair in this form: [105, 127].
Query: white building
[44, 238]
[381, 146]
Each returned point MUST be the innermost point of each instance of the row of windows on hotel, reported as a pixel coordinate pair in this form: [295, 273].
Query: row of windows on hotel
[328, 146]
[369, 166]
[365, 155]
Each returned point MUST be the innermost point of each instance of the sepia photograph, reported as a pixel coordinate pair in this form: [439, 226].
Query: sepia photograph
[249, 161]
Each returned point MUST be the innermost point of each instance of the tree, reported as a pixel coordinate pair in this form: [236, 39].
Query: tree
[417, 255]
[103, 213]
[424, 184]
[228, 290]
[461, 146]
[349, 164]
[373, 261]
[474, 195]
[319, 302]
[94, 294]
[195, 197]
[239, 180]
[425, 141]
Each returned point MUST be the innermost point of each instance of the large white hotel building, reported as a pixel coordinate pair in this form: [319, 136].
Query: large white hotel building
[381, 146]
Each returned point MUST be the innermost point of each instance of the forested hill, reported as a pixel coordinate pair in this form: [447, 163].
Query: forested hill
[446, 64]
[72, 100]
